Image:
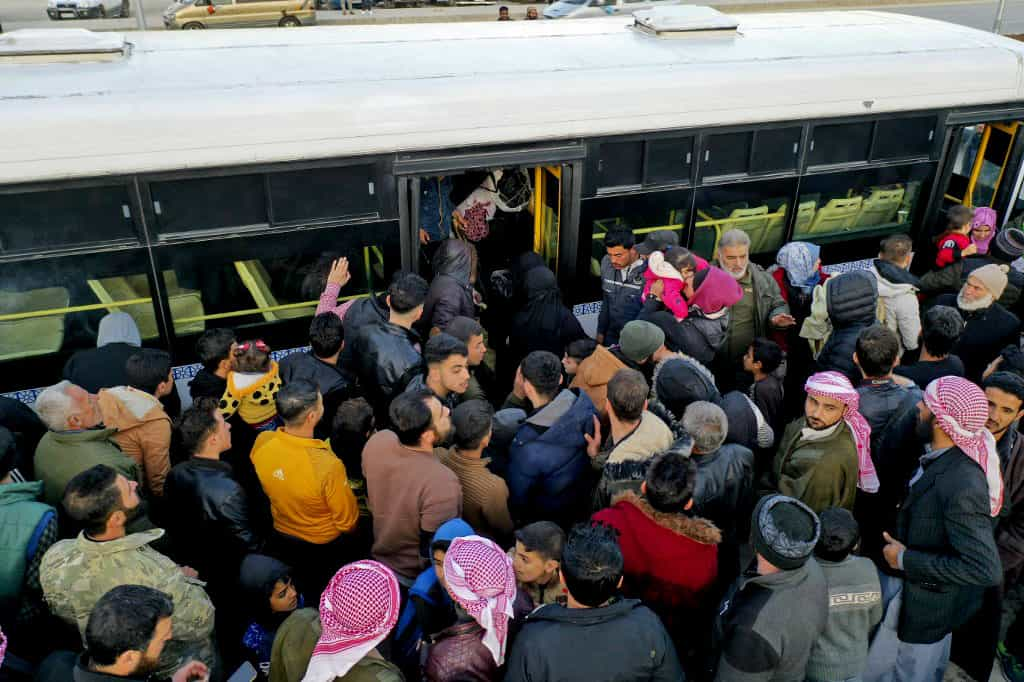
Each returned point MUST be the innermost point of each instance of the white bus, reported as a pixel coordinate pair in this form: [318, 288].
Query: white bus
[206, 180]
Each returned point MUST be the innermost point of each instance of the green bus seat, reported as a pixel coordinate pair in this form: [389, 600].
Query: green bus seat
[879, 207]
[770, 238]
[257, 281]
[184, 303]
[34, 335]
[805, 211]
[835, 216]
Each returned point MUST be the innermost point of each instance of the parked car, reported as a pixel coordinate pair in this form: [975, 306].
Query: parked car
[200, 14]
[583, 9]
[86, 9]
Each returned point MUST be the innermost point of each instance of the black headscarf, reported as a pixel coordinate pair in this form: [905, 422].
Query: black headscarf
[543, 312]
[257, 577]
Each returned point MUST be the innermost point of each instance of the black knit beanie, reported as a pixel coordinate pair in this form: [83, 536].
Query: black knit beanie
[1008, 245]
[784, 531]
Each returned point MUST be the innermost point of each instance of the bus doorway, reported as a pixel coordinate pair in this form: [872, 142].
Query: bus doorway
[982, 171]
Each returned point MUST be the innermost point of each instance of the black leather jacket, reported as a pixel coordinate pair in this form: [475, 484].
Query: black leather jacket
[724, 493]
[385, 359]
[364, 312]
[208, 518]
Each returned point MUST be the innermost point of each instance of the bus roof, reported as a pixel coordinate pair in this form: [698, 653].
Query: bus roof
[212, 98]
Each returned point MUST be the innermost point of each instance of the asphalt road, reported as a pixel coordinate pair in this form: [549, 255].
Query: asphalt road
[15, 14]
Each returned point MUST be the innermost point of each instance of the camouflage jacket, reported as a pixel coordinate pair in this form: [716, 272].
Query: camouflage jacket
[76, 573]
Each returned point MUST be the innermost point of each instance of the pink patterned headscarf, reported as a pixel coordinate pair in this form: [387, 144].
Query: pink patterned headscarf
[961, 410]
[357, 611]
[481, 580]
[985, 216]
[836, 386]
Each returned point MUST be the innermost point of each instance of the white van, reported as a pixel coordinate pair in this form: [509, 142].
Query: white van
[584, 9]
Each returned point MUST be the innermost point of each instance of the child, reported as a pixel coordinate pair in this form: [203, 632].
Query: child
[675, 268]
[536, 560]
[216, 350]
[575, 353]
[762, 359]
[252, 387]
[270, 597]
[955, 242]
[842, 650]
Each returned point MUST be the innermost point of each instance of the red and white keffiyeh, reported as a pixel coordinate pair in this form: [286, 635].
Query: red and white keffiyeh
[357, 611]
[836, 386]
[481, 580]
[961, 410]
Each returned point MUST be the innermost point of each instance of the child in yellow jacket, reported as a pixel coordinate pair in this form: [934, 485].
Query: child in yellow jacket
[252, 387]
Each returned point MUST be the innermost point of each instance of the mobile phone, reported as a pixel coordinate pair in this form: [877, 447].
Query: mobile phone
[245, 673]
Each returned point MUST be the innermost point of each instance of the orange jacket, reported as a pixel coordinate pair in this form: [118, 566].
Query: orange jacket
[143, 431]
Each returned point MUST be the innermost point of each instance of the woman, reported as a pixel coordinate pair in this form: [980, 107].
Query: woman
[544, 323]
[797, 272]
[983, 228]
[270, 597]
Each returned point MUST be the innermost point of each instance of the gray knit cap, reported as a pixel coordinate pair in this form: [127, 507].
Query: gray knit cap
[784, 531]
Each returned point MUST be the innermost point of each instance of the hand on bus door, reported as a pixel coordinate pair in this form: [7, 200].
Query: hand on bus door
[339, 273]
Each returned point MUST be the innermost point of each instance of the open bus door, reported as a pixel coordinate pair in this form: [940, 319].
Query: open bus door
[547, 213]
[981, 172]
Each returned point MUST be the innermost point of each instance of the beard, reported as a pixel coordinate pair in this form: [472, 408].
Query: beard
[146, 666]
[737, 275]
[985, 301]
[923, 431]
[132, 513]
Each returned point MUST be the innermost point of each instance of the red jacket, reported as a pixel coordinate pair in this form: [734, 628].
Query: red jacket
[671, 560]
[949, 247]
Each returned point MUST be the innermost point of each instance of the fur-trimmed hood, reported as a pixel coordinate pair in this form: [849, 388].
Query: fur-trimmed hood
[692, 527]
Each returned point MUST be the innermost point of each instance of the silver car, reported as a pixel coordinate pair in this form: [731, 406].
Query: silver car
[583, 9]
[86, 9]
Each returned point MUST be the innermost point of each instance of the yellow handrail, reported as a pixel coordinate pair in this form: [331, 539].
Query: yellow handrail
[73, 309]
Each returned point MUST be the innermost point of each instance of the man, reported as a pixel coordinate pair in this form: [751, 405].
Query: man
[941, 330]
[670, 554]
[825, 455]
[549, 475]
[76, 440]
[76, 573]
[482, 382]
[310, 500]
[724, 491]
[596, 636]
[531, 14]
[761, 310]
[211, 528]
[29, 529]
[850, 305]
[943, 546]
[503, 14]
[216, 351]
[447, 375]
[1006, 246]
[974, 643]
[891, 412]
[484, 495]
[320, 366]
[143, 427]
[125, 637]
[771, 618]
[409, 491]
[641, 346]
[622, 283]
[989, 327]
[385, 353]
[635, 436]
[897, 289]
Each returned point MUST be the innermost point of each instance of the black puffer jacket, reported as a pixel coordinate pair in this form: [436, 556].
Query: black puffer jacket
[385, 360]
[724, 493]
[210, 528]
[988, 331]
[852, 306]
[698, 336]
[451, 291]
[362, 313]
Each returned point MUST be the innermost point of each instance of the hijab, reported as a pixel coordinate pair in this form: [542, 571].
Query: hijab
[118, 328]
[800, 262]
[984, 216]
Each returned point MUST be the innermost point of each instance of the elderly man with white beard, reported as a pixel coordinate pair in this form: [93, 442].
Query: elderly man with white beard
[989, 326]
[761, 309]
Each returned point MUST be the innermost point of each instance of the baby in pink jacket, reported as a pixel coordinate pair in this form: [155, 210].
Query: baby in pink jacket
[675, 267]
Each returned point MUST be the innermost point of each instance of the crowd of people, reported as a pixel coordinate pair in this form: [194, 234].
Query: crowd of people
[749, 474]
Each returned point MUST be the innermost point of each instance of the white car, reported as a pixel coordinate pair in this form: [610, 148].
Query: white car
[584, 9]
[86, 9]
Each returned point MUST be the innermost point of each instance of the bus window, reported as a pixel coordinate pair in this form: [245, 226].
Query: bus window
[209, 203]
[643, 213]
[761, 209]
[321, 193]
[51, 307]
[839, 143]
[267, 286]
[981, 156]
[862, 203]
[50, 219]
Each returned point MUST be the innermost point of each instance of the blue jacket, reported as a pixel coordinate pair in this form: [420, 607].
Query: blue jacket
[620, 301]
[549, 475]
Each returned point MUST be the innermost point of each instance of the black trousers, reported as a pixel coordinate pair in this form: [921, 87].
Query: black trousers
[312, 565]
[974, 642]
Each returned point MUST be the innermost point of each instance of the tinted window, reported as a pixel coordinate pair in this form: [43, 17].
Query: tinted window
[761, 209]
[49, 219]
[620, 164]
[209, 203]
[323, 193]
[669, 160]
[776, 150]
[902, 137]
[839, 143]
[727, 154]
